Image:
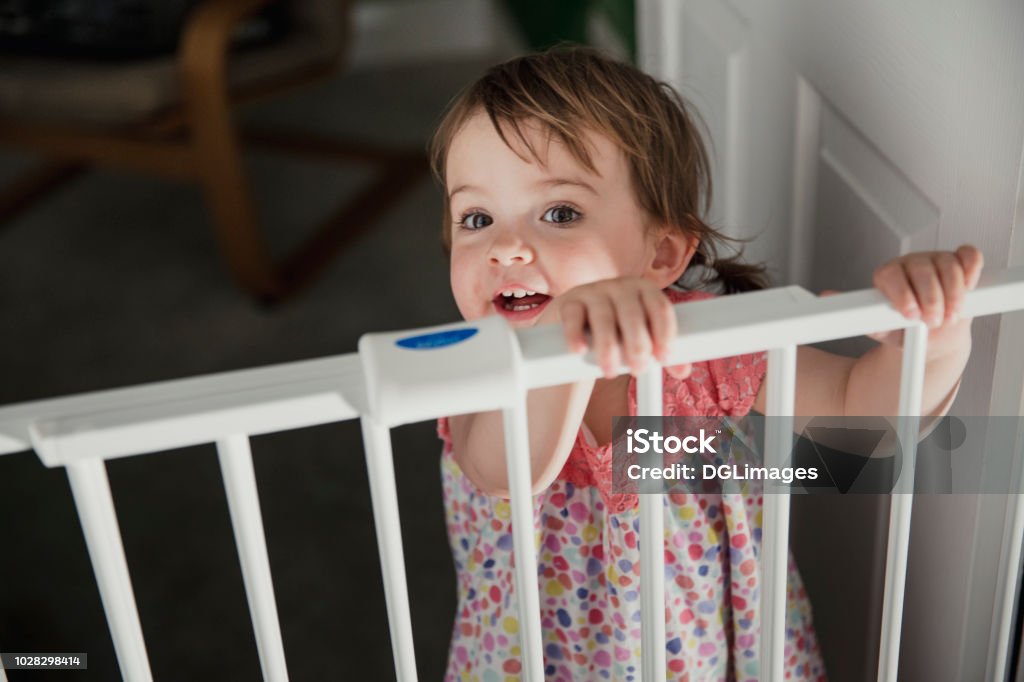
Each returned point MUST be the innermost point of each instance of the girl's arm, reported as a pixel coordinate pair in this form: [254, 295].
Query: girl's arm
[873, 385]
[554, 415]
[927, 285]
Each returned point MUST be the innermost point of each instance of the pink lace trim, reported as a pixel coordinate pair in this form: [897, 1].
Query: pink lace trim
[719, 387]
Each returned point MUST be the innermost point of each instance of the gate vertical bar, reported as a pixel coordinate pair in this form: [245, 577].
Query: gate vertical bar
[1008, 579]
[91, 490]
[517, 449]
[915, 345]
[236, 468]
[384, 497]
[652, 546]
[781, 393]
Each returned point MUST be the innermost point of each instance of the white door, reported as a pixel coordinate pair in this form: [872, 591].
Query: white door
[845, 133]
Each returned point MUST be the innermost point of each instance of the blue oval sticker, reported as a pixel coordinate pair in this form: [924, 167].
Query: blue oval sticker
[436, 339]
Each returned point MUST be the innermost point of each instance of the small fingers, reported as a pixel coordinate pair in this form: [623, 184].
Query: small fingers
[972, 261]
[891, 280]
[628, 322]
[661, 318]
[605, 335]
[951, 275]
[924, 280]
[931, 285]
[574, 320]
[632, 320]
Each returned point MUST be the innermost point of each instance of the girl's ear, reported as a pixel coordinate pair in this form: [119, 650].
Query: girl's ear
[673, 250]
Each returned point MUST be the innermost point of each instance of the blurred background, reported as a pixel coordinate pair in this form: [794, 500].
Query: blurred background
[114, 274]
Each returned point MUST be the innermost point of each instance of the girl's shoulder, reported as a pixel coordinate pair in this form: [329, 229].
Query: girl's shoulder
[725, 386]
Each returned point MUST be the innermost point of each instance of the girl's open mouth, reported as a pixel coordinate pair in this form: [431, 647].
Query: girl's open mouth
[522, 308]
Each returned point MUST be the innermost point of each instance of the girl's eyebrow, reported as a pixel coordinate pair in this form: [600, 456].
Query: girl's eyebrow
[460, 188]
[558, 182]
[550, 182]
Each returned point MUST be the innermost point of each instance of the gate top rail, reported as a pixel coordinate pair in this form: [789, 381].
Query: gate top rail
[192, 411]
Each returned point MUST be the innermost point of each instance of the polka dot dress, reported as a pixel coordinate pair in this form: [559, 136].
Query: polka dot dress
[588, 562]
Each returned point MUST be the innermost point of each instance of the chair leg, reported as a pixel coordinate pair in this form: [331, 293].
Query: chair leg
[221, 173]
[33, 185]
[348, 222]
[216, 148]
[218, 155]
[224, 182]
[399, 171]
[234, 215]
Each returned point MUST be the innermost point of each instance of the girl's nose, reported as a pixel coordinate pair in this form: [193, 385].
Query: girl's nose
[509, 248]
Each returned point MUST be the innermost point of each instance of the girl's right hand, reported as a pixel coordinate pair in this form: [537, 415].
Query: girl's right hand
[629, 319]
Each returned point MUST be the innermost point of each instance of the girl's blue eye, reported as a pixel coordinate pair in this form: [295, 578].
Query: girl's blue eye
[561, 214]
[475, 221]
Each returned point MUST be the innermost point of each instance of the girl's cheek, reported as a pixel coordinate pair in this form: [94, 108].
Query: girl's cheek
[463, 288]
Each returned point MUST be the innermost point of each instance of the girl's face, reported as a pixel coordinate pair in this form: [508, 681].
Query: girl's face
[540, 228]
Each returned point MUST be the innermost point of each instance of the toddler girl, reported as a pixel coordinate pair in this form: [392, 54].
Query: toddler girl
[574, 190]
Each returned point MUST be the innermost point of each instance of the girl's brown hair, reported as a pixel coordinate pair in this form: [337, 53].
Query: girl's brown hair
[569, 90]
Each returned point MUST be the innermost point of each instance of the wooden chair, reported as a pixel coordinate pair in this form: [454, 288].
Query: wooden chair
[173, 117]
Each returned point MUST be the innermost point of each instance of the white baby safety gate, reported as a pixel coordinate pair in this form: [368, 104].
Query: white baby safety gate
[398, 378]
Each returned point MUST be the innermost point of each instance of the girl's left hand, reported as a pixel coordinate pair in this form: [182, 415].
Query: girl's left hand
[929, 285]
